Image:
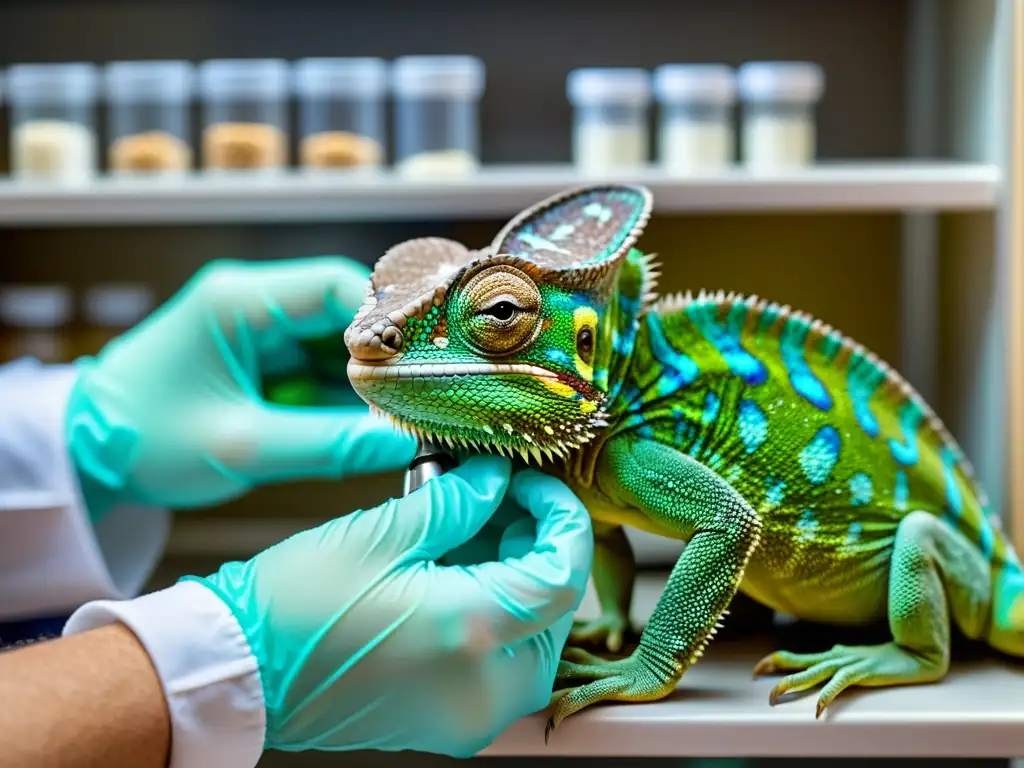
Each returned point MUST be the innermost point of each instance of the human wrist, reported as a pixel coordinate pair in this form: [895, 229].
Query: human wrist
[207, 671]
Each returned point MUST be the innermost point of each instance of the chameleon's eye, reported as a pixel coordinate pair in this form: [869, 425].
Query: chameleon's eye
[585, 344]
[503, 309]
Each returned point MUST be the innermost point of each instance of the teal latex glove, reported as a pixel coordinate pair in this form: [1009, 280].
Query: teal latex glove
[365, 641]
[172, 415]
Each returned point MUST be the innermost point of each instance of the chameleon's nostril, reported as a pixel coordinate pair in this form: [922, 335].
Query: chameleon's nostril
[392, 338]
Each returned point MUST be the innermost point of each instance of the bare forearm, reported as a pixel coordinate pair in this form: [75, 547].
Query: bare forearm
[86, 700]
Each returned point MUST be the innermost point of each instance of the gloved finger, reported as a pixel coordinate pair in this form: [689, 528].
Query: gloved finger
[448, 511]
[268, 443]
[295, 298]
[536, 590]
[518, 539]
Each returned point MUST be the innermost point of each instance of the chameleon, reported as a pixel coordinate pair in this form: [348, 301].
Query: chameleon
[798, 467]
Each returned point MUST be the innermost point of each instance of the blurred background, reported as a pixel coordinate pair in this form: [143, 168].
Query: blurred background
[848, 157]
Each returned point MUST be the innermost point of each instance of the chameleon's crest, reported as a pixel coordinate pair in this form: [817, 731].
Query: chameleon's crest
[579, 237]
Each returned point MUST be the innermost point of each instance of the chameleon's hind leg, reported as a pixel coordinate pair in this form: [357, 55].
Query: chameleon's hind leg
[930, 563]
[723, 531]
[614, 573]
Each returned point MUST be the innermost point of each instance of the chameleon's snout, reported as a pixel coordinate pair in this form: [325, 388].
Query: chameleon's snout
[376, 343]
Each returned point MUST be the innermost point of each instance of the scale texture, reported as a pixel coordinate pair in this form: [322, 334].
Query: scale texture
[798, 467]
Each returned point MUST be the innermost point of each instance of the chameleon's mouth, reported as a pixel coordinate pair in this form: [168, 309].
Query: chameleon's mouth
[516, 408]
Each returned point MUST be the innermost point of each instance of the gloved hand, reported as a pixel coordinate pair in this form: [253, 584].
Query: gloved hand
[364, 641]
[172, 415]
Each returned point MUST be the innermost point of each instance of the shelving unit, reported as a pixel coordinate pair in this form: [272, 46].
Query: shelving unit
[493, 192]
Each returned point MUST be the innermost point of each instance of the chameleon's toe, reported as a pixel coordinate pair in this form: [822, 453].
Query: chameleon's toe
[608, 630]
[626, 679]
[842, 667]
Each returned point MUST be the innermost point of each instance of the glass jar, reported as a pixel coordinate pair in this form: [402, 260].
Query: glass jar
[148, 117]
[341, 112]
[111, 309]
[437, 114]
[779, 98]
[695, 128]
[245, 114]
[610, 117]
[36, 320]
[53, 122]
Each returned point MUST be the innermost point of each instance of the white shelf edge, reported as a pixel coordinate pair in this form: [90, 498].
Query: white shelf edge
[494, 191]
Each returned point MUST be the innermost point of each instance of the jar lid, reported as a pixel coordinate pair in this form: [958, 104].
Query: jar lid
[789, 81]
[116, 305]
[698, 83]
[149, 80]
[456, 77]
[613, 85]
[74, 83]
[366, 77]
[35, 306]
[244, 78]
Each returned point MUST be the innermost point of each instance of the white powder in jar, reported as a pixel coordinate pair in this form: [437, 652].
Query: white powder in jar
[53, 150]
[777, 141]
[444, 163]
[689, 146]
[599, 147]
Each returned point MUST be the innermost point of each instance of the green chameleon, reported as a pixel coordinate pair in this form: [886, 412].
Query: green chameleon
[798, 467]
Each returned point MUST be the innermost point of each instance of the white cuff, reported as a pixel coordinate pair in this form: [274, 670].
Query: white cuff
[52, 559]
[209, 674]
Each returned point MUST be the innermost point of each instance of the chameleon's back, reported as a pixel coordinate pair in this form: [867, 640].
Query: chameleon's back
[817, 433]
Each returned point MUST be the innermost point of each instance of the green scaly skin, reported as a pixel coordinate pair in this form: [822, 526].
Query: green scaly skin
[799, 468]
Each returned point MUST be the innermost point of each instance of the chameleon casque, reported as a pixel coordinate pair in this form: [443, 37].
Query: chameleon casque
[798, 467]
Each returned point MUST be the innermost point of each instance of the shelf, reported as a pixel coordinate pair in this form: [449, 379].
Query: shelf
[719, 711]
[493, 192]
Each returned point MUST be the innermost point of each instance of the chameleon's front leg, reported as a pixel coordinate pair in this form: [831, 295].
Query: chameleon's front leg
[722, 530]
[614, 574]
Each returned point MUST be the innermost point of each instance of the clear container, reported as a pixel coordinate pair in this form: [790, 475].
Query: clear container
[779, 99]
[35, 322]
[341, 112]
[695, 130]
[109, 310]
[610, 117]
[53, 122]
[437, 114]
[245, 114]
[148, 106]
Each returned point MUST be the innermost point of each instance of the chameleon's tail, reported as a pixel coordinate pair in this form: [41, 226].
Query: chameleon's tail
[1006, 629]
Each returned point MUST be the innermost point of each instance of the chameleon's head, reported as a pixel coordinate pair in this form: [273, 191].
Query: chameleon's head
[498, 348]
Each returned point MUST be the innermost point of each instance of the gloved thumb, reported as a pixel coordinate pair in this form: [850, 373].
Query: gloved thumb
[450, 510]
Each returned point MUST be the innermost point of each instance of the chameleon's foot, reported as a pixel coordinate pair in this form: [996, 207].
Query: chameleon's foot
[870, 666]
[608, 630]
[628, 679]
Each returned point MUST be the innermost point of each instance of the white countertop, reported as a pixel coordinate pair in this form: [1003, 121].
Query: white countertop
[720, 711]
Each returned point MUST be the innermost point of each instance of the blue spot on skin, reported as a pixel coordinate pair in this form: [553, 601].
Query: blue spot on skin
[853, 533]
[646, 431]
[910, 418]
[806, 526]
[714, 462]
[684, 366]
[830, 346]
[901, 493]
[726, 339]
[803, 380]
[711, 406]
[819, 457]
[670, 382]
[954, 501]
[987, 538]
[732, 474]
[776, 491]
[753, 425]
[558, 356]
[861, 489]
[862, 379]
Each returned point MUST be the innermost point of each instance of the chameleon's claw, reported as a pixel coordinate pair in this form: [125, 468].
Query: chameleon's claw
[609, 630]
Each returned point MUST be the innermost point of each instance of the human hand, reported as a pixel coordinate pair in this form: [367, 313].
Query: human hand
[172, 414]
[364, 641]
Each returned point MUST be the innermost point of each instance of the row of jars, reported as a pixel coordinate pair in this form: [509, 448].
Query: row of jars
[696, 130]
[245, 115]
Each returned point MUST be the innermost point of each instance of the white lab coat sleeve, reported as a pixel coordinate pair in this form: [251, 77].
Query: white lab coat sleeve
[52, 559]
[207, 669]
